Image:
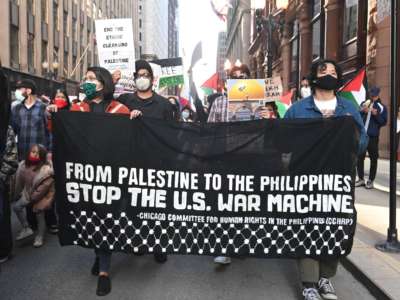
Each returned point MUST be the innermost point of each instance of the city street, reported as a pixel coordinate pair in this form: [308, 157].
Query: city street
[53, 272]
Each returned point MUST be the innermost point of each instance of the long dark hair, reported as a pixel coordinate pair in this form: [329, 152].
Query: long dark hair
[104, 76]
[42, 156]
[5, 108]
[64, 92]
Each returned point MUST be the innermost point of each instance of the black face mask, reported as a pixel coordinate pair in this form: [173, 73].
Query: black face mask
[327, 82]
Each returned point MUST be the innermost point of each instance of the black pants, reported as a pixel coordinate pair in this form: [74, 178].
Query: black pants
[6, 240]
[373, 152]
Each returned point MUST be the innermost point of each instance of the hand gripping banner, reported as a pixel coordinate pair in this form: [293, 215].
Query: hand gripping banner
[269, 188]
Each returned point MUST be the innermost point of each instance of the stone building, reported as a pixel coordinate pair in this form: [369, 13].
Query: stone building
[355, 33]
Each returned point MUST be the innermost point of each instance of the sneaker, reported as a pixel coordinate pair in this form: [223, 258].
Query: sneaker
[359, 182]
[24, 233]
[369, 185]
[95, 267]
[38, 242]
[160, 257]
[103, 285]
[222, 260]
[326, 289]
[311, 294]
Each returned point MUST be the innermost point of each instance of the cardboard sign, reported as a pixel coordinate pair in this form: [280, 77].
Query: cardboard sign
[273, 89]
[167, 72]
[116, 48]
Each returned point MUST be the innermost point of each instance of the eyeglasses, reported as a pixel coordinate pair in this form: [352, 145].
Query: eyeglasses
[145, 75]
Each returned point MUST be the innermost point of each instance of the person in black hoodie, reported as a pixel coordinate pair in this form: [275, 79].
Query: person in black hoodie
[374, 114]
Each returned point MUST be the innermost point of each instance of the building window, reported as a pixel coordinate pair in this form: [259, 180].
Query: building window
[31, 52]
[140, 23]
[294, 42]
[44, 51]
[30, 6]
[74, 29]
[44, 11]
[140, 36]
[317, 28]
[66, 64]
[14, 47]
[55, 15]
[65, 22]
[350, 28]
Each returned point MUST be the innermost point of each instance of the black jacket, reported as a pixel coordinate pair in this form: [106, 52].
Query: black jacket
[156, 107]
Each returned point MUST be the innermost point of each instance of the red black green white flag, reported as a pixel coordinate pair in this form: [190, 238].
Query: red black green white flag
[356, 89]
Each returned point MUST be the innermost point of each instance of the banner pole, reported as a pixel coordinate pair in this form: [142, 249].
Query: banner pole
[79, 60]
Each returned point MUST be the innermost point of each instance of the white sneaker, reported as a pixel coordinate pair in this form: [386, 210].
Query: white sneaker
[24, 233]
[38, 242]
[222, 260]
[311, 294]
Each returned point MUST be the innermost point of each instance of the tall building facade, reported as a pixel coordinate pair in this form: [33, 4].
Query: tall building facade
[55, 39]
[239, 31]
[221, 55]
[173, 32]
[153, 29]
[355, 33]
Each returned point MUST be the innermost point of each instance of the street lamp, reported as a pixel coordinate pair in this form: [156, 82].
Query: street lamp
[49, 74]
[269, 24]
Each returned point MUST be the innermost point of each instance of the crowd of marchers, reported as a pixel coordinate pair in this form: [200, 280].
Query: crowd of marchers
[26, 173]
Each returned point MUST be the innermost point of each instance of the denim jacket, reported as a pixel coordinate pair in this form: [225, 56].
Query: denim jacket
[306, 108]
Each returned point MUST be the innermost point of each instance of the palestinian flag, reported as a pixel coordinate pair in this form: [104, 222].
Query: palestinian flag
[210, 85]
[284, 103]
[356, 89]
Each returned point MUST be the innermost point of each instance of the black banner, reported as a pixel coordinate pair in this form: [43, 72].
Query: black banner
[269, 188]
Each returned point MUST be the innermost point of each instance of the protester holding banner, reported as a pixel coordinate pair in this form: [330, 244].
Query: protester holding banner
[325, 78]
[98, 87]
[9, 163]
[145, 102]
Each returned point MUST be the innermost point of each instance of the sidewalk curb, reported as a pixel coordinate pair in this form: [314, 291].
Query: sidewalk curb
[372, 287]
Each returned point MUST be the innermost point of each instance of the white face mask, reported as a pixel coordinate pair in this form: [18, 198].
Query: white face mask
[143, 84]
[185, 114]
[305, 92]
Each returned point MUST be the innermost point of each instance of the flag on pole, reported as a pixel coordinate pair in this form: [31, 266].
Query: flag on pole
[284, 103]
[356, 89]
[211, 84]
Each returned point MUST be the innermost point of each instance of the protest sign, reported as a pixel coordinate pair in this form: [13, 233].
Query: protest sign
[116, 49]
[273, 89]
[246, 98]
[282, 188]
[167, 72]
